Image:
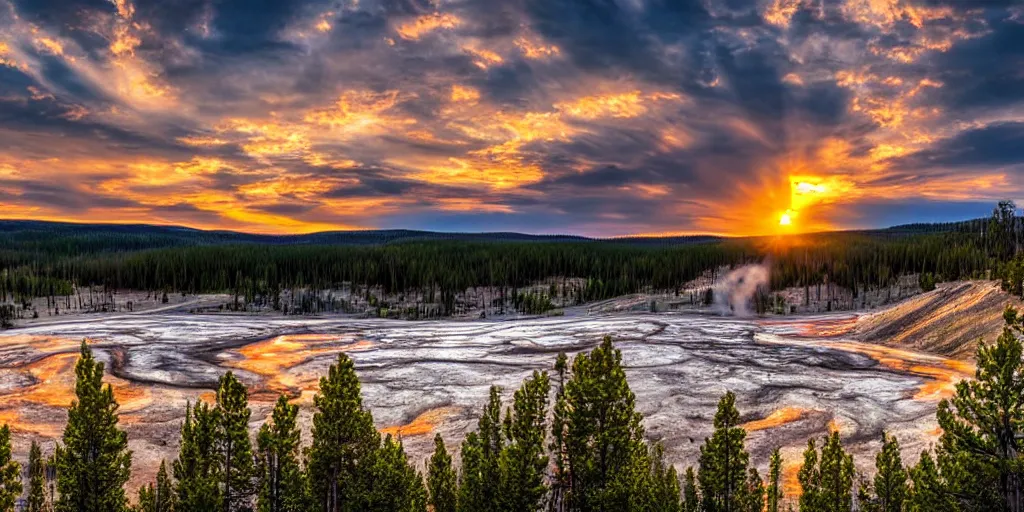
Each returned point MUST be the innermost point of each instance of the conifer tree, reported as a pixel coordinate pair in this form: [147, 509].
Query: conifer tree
[754, 492]
[442, 482]
[164, 490]
[665, 483]
[810, 479]
[774, 492]
[866, 501]
[523, 459]
[930, 492]
[36, 501]
[93, 461]
[344, 441]
[395, 486]
[722, 472]
[10, 473]
[471, 475]
[836, 473]
[605, 448]
[983, 426]
[890, 487]
[146, 499]
[158, 497]
[691, 501]
[481, 479]
[560, 480]
[197, 469]
[282, 482]
[237, 473]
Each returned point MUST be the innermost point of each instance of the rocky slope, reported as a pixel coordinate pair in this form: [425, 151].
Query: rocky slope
[949, 320]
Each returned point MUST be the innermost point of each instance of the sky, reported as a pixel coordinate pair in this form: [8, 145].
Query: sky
[592, 117]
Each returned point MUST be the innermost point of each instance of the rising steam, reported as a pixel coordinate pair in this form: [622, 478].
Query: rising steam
[734, 292]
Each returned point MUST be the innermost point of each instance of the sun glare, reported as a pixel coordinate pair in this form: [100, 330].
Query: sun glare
[786, 219]
[807, 188]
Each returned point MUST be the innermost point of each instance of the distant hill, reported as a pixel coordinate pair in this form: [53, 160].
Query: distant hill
[140, 236]
[59, 237]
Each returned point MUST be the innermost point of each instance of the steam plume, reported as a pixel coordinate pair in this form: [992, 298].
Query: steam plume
[734, 292]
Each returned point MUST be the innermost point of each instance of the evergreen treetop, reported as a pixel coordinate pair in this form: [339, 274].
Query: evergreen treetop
[442, 482]
[10, 473]
[93, 461]
[344, 441]
[723, 470]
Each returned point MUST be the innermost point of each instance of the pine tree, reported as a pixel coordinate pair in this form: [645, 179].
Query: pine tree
[480, 485]
[605, 448]
[665, 488]
[930, 491]
[10, 473]
[866, 501]
[523, 460]
[471, 475]
[691, 501]
[754, 492]
[441, 479]
[197, 469]
[836, 473]
[722, 472]
[774, 491]
[164, 492]
[146, 499]
[282, 482]
[344, 441]
[93, 461]
[983, 426]
[810, 479]
[36, 501]
[395, 486]
[560, 479]
[159, 497]
[890, 487]
[237, 473]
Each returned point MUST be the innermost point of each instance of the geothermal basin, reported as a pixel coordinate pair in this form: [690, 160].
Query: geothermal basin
[794, 379]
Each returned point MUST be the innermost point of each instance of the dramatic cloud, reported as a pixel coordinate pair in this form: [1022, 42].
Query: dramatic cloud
[599, 117]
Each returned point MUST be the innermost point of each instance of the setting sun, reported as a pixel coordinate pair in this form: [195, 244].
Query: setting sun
[785, 219]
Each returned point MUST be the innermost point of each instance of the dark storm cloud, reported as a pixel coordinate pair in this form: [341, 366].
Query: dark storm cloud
[607, 36]
[995, 145]
[65, 196]
[65, 15]
[372, 187]
[985, 72]
[972, 4]
[285, 208]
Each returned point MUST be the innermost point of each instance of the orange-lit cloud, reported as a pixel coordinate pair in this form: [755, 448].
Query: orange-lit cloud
[301, 118]
[482, 57]
[535, 50]
[422, 25]
[463, 93]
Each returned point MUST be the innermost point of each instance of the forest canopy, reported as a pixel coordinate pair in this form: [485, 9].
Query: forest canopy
[46, 259]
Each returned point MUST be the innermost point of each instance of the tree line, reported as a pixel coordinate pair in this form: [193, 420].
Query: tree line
[55, 264]
[446, 269]
[583, 451]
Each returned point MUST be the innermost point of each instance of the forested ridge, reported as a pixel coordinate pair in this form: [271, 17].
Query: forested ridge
[51, 260]
[569, 440]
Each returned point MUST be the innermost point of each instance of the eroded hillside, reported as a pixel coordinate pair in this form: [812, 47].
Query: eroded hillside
[948, 320]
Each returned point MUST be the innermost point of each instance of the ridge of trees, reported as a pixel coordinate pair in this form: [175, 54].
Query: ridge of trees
[53, 264]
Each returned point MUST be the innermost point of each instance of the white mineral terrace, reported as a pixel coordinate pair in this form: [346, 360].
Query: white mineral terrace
[794, 379]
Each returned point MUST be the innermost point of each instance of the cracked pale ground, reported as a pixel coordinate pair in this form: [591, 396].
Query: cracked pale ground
[424, 377]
